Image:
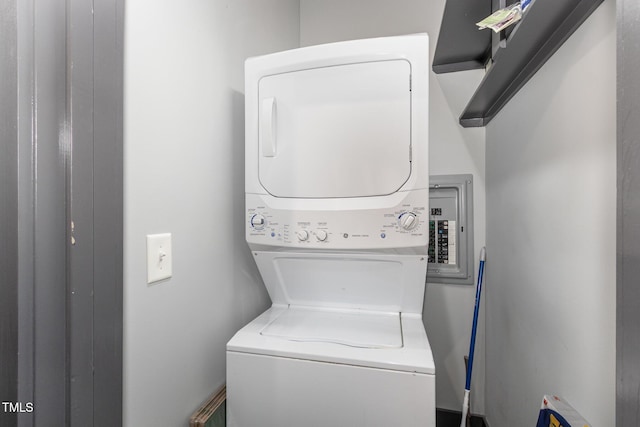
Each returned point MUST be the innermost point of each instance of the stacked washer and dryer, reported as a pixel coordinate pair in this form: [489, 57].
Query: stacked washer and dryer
[337, 192]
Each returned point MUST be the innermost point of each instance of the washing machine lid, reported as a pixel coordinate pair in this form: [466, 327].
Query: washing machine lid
[355, 329]
[414, 355]
[336, 131]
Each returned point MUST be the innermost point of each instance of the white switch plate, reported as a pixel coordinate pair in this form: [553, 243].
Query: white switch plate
[159, 257]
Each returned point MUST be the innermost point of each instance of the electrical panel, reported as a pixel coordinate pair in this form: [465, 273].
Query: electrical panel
[451, 257]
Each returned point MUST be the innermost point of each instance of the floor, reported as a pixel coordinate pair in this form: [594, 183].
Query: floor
[445, 418]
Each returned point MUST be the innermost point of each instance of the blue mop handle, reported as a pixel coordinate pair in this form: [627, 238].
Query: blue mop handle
[475, 319]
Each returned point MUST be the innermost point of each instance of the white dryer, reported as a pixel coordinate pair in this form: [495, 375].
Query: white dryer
[337, 196]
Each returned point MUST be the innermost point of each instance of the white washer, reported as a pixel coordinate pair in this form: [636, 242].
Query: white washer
[336, 209]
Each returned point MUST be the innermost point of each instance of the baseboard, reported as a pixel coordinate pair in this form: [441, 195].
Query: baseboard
[448, 418]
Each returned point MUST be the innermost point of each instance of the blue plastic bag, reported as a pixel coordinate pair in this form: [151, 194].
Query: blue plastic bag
[550, 418]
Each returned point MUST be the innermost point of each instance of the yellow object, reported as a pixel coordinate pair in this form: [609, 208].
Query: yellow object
[556, 412]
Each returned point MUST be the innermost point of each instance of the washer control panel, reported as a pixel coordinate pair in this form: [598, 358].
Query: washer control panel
[404, 225]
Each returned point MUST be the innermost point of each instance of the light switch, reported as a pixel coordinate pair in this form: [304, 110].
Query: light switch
[159, 257]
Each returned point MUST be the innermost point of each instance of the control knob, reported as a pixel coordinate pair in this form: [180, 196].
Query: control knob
[321, 235]
[408, 220]
[302, 235]
[258, 221]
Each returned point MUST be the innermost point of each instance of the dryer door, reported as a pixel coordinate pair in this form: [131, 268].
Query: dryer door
[339, 131]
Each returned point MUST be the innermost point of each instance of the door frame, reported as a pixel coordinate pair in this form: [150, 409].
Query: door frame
[628, 215]
[61, 217]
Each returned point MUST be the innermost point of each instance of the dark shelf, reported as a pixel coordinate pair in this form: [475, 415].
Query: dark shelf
[460, 45]
[543, 29]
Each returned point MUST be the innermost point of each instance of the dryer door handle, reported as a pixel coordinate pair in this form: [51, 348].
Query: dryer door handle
[268, 127]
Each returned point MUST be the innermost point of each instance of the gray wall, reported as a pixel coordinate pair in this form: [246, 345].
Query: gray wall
[551, 241]
[184, 174]
[448, 309]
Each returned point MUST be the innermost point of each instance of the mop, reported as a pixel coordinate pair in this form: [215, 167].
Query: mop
[467, 387]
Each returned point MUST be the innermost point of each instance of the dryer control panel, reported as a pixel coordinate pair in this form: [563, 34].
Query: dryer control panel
[402, 225]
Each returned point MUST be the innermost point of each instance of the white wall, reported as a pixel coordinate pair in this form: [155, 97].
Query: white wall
[448, 308]
[184, 174]
[551, 227]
